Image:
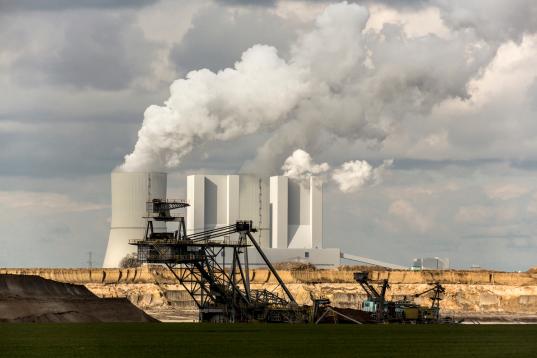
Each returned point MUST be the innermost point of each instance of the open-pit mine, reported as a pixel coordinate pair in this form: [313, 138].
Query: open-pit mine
[475, 296]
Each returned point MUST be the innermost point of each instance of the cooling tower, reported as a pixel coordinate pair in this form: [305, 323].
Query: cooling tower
[130, 192]
[297, 212]
[220, 200]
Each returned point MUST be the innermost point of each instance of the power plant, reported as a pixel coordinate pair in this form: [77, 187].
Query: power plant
[286, 213]
[213, 267]
[237, 222]
[130, 192]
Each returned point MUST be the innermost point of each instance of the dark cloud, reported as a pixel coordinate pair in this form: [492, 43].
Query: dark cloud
[65, 149]
[218, 37]
[102, 51]
[55, 5]
[249, 2]
[412, 164]
[392, 3]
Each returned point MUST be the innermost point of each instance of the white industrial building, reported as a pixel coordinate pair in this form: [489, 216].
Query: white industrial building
[288, 213]
[221, 200]
[430, 263]
[297, 213]
[130, 192]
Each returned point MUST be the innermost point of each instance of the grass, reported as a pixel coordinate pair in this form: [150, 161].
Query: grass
[258, 340]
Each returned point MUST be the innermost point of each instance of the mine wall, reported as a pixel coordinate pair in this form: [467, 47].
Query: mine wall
[468, 293]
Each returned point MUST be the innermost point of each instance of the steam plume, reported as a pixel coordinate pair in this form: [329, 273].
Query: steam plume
[339, 82]
[351, 176]
[300, 166]
[354, 175]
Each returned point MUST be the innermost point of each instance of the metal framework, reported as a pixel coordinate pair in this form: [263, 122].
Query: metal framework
[213, 267]
[379, 297]
[403, 310]
[438, 291]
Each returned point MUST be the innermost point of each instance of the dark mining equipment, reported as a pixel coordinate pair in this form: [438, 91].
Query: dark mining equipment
[403, 311]
[213, 267]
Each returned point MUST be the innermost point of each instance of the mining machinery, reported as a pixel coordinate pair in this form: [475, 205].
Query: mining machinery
[376, 300]
[433, 314]
[402, 311]
[213, 267]
[408, 311]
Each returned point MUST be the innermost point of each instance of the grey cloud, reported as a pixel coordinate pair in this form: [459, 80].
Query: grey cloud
[392, 3]
[218, 37]
[530, 165]
[409, 77]
[249, 2]
[56, 5]
[412, 163]
[498, 20]
[98, 51]
[44, 246]
[491, 244]
[532, 94]
[65, 149]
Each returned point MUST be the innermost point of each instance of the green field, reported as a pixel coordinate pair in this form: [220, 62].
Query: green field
[258, 340]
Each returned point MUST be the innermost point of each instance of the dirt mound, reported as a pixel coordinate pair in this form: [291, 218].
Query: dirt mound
[35, 299]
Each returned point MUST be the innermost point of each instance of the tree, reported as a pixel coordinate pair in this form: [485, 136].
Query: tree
[130, 260]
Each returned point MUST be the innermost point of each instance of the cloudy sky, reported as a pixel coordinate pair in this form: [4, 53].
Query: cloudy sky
[447, 89]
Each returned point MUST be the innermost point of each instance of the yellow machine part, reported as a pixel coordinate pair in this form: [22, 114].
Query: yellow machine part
[411, 313]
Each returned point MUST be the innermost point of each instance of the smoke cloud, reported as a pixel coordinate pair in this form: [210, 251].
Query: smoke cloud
[258, 92]
[351, 176]
[339, 82]
[354, 175]
[300, 166]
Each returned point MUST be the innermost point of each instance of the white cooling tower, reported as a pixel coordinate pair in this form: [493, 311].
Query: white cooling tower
[130, 192]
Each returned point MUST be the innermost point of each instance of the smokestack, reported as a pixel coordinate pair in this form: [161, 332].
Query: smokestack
[130, 192]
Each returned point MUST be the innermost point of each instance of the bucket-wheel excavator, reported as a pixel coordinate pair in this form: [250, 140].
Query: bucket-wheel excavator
[213, 267]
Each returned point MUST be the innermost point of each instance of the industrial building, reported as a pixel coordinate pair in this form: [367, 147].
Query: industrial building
[430, 263]
[287, 213]
[221, 200]
[297, 213]
[130, 192]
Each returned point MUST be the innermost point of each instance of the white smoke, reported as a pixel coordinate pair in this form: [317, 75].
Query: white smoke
[259, 91]
[354, 175]
[300, 166]
[340, 82]
[351, 176]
